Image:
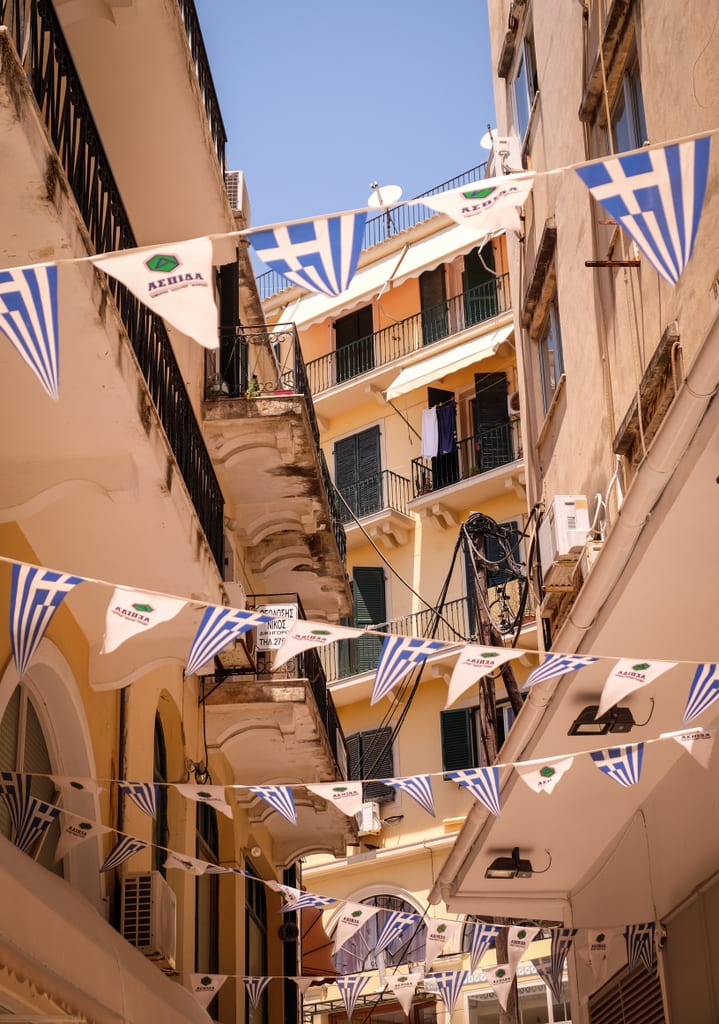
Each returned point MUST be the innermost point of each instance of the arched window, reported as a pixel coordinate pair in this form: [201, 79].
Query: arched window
[160, 831]
[358, 953]
[207, 892]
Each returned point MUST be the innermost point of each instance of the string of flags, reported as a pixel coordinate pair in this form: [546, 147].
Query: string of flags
[656, 194]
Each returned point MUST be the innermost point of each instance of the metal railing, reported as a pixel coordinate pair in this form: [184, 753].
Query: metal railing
[384, 225]
[383, 490]
[204, 78]
[433, 324]
[489, 448]
[63, 105]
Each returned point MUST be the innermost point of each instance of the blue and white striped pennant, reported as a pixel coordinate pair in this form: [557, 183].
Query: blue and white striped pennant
[144, 794]
[656, 195]
[28, 318]
[123, 849]
[623, 764]
[449, 985]
[543, 967]
[255, 987]
[482, 783]
[557, 665]
[218, 628]
[483, 935]
[305, 900]
[397, 922]
[703, 691]
[640, 945]
[399, 655]
[35, 596]
[351, 987]
[562, 939]
[38, 816]
[320, 255]
[279, 798]
[419, 787]
[15, 791]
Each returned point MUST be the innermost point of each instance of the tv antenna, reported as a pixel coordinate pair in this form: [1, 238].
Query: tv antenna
[383, 197]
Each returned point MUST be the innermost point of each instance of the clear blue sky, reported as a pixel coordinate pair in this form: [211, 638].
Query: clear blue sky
[321, 98]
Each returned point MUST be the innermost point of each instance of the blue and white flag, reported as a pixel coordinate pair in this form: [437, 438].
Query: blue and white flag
[124, 848]
[482, 783]
[640, 945]
[28, 318]
[38, 816]
[419, 787]
[279, 798]
[15, 791]
[557, 665]
[397, 922]
[703, 691]
[320, 255]
[543, 967]
[255, 987]
[483, 935]
[656, 195]
[35, 596]
[351, 987]
[562, 939]
[144, 794]
[218, 628]
[623, 764]
[298, 900]
[449, 985]
[399, 655]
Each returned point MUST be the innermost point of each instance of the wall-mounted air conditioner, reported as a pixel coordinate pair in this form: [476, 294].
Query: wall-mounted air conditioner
[237, 193]
[506, 155]
[369, 822]
[563, 533]
[148, 916]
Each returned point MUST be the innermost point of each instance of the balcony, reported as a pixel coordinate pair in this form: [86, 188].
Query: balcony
[262, 432]
[380, 501]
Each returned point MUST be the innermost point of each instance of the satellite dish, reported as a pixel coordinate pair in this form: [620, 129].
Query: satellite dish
[487, 139]
[384, 195]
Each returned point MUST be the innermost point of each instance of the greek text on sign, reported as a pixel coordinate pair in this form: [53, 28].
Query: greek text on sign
[271, 634]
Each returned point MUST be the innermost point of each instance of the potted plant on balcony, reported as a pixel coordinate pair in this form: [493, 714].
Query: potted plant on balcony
[253, 388]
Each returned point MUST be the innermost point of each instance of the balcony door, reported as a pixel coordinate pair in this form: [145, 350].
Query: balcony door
[479, 286]
[354, 343]
[492, 429]
[445, 467]
[433, 300]
[358, 475]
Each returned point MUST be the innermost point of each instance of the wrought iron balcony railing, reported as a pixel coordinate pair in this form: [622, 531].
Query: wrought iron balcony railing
[204, 78]
[383, 490]
[38, 37]
[433, 324]
[488, 449]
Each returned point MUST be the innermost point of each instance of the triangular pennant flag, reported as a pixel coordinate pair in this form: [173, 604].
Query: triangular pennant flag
[320, 255]
[144, 794]
[29, 320]
[543, 967]
[543, 777]
[396, 923]
[175, 281]
[640, 945]
[206, 986]
[124, 848]
[439, 933]
[399, 655]
[34, 598]
[623, 764]
[132, 612]
[38, 816]
[75, 830]
[500, 979]
[419, 787]
[557, 665]
[703, 691]
[475, 661]
[629, 674]
[449, 985]
[304, 983]
[483, 935]
[596, 950]
[15, 791]
[297, 900]
[351, 919]
[656, 196]
[482, 783]
[212, 795]
[255, 987]
[519, 939]
[488, 205]
[403, 986]
[76, 784]
[279, 798]
[562, 939]
[304, 635]
[192, 865]
[351, 986]
[346, 797]
[698, 742]
[219, 627]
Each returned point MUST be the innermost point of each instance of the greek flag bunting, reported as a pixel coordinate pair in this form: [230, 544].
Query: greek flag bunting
[279, 798]
[351, 986]
[303, 900]
[419, 787]
[144, 794]
[124, 848]
[15, 791]
[482, 783]
[562, 939]
[640, 945]
[29, 319]
[399, 655]
[218, 628]
[656, 195]
[483, 935]
[37, 817]
[557, 665]
[397, 922]
[623, 764]
[320, 255]
[703, 691]
[449, 985]
[255, 987]
[543, 967]
[35, 596]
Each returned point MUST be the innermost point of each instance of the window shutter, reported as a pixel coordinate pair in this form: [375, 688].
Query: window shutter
[345, 463]
[369, 610]
[635, 997]
[368, 472]
[432, 297]
[377, 763]
[458, 739]
[353, 756]
[491, 394]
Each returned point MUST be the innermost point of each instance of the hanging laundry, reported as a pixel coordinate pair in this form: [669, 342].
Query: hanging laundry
[430, 436]
[447, 427]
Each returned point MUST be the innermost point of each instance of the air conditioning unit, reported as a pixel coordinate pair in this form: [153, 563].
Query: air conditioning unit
[368, 819]
[506, 155]
[589, 556]
[148, 916]
[513, 403]
[237, 193]
[563, 533]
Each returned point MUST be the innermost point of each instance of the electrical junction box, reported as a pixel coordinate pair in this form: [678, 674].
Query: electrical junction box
[368, 819]
[563, 533]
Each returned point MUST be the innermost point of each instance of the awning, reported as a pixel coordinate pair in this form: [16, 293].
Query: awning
[429, 370]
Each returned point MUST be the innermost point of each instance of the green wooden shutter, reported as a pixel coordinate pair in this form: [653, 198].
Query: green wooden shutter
[432, 298]
[353, 756]
[354, 343]
[491, 421]
[377, 763]
[346, 473]
[479, 286]
[369, 610]
[369, 473]
[459, 747]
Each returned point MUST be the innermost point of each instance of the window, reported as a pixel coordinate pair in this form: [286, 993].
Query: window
[629, 127]
[492, 429]
[432, 297]
[160, 830]
[525, 85]
[461, 739]
[551, 362]
[410, 947]
[255, 943]
[358, 475]
[354, 343]
[479, 285]
[370, 757]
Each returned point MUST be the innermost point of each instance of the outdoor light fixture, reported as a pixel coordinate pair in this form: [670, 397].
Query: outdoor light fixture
[615, 720]
[510, 867]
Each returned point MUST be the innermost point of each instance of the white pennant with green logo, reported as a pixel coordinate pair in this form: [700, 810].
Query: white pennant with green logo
[213, 795]
[630, 674]
[698, 742]
[351, 919]
[132, 612]
[518, 942]
[346, 798]
[75, 830]
[304, 635]
[596, 948]
[500, 979]
[475, 661]
[205, 987]
[403, 986]
[543, 776]
[438, 934]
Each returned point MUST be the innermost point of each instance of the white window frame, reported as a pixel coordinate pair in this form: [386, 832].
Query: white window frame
[551, 356]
